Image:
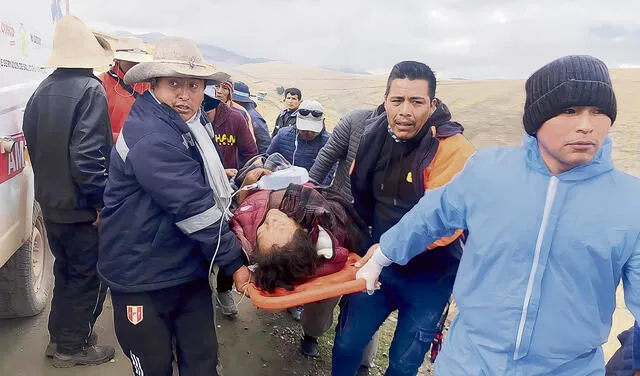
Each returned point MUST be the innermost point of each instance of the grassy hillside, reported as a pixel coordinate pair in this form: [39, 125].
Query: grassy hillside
[491, 111]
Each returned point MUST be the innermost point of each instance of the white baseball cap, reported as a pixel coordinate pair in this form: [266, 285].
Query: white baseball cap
[310, 116]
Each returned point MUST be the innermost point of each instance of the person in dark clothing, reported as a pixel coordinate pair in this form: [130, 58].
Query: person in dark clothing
[413, 146]
[287, 117]
[242, 96]
[66, 125]
[626, 360]
[230, 132]
[301, 144]
[165, 221]
[342, 148]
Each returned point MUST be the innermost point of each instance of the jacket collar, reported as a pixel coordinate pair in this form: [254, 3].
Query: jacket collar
[81, 72]
[163, 111]
[291, 113]
[600, 164]
[117, 71]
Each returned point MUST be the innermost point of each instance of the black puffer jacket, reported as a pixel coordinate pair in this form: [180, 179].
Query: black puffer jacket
[287, 118]
[66, 125]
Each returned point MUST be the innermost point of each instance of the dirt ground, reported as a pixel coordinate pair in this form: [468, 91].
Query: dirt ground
[258, 342]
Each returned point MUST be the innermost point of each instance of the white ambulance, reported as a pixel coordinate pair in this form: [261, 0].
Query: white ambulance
[26, 263]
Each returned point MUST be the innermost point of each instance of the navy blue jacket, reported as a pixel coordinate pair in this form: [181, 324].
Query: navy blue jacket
[260, 129]
[627, 359]
[159, 227]
[304, 155]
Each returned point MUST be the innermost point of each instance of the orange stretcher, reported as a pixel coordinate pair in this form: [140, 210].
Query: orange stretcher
[339, 283]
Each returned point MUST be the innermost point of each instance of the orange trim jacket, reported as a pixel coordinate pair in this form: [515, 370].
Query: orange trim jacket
[451, 157]
[119, 99]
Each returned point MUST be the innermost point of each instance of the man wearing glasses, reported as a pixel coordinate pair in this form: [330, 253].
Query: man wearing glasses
[301, 144]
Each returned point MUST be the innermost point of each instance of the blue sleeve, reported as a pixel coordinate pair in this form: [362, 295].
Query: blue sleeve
[333, 150]
[262, 137]
[175, 181]
[438, 214]
[631, 281]
[274, 147]
[635, 340]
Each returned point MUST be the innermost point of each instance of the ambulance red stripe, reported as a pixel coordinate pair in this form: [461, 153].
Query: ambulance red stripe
[12, 164]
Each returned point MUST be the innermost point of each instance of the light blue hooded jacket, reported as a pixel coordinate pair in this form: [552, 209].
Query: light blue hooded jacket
[537, 280]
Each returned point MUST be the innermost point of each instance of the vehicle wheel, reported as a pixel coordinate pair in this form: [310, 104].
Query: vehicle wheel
[26, 279]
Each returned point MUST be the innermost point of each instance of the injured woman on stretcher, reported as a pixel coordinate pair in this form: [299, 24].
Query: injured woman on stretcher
[294, 234]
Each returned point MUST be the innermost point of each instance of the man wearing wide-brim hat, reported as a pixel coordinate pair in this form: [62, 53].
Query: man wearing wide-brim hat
[128, 52]
[242, 96]
[66, 125]
[166, 218]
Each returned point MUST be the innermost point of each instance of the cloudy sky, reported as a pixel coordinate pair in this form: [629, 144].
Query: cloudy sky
[457, 38]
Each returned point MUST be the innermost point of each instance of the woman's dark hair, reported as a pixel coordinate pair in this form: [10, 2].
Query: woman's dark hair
[293, 91]
[288, 265]
[412, 70]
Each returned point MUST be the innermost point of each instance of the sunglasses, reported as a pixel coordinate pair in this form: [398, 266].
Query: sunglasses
[305, 112]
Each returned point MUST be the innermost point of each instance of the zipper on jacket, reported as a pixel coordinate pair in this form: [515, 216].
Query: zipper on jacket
[552, 188]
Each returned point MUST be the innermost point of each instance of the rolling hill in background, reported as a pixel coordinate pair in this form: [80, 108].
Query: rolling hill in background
[490, 111]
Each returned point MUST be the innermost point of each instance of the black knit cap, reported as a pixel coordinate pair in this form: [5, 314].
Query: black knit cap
[577, 80]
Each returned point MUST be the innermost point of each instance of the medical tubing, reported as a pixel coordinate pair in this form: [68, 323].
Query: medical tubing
[220, 229]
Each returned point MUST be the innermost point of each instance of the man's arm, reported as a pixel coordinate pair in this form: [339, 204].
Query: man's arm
[438, 214]
[261, 131]
[175, 181]
[247, 147]
[631, 283]
[276, 128]
[335, 149]
[274, 147]
[635, 349]
[90, 146]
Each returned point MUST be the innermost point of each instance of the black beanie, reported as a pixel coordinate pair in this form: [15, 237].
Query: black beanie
[569, 81]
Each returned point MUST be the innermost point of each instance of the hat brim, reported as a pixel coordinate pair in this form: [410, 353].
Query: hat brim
[145, 72]
[307, 124]
[134, 57]
[241, 99]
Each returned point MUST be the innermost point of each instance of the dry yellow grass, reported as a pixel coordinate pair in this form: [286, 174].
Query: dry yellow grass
[491, 112]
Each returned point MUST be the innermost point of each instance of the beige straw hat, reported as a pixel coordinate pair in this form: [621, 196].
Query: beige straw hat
[75, 46]
[175, 57]
[131, 49]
